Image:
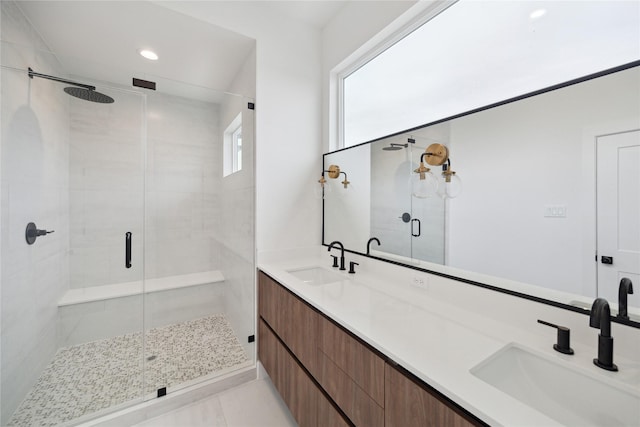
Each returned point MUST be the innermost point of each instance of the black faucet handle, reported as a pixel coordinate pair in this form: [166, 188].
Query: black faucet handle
[564, 338]
[335, 261]
[625, 288]
[352, 265]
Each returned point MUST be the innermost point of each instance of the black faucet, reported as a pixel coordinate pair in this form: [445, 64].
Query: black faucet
[600, 317]
[373, 239]
[626, 287]
[341, 252]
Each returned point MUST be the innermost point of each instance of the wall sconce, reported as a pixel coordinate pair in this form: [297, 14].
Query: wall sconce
[425, 184]
[333, 172]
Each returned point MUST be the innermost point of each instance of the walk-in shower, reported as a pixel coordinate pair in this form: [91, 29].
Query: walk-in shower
[146, 287]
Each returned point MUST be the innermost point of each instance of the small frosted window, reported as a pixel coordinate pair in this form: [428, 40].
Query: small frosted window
[233, 147]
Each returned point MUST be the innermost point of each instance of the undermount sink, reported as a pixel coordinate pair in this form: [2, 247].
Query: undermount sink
[557, 390]
[315, 276]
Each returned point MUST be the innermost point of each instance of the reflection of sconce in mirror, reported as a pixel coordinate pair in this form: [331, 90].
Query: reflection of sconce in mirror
[425, 184]
[333, 172]
[449, 185]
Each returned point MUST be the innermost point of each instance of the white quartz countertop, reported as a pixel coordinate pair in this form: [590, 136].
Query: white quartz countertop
[420, 322]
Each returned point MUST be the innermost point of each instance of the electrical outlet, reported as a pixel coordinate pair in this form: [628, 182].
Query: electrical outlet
[555, 211]
[419, 282]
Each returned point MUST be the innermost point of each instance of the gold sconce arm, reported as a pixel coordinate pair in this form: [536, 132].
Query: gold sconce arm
[333, 172]
[346, 181]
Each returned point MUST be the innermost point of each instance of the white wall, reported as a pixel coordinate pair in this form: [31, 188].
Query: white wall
[288, 111]
[347, 217]
[35, 179]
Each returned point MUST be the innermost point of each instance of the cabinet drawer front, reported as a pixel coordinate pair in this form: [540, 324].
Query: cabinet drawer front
[267, 349]
[291, 319]
[305, 400]
[269, 301]
[408, 404]
[355, 402]
[300, 329]
[363, 366]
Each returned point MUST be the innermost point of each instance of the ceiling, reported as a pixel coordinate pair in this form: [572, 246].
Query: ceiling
[99, 41]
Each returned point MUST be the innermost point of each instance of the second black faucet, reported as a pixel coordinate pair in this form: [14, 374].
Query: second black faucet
[336, 242]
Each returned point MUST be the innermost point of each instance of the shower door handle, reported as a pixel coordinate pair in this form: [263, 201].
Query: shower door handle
[127, 249]
[415, 220]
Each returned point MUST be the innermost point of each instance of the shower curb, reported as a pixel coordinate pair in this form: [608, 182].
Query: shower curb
[155, 407]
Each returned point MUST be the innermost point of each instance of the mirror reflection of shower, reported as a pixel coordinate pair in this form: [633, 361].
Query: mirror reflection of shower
[395, 147]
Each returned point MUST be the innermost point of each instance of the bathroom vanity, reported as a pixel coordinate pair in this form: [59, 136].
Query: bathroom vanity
[328, 376]
[391, 347]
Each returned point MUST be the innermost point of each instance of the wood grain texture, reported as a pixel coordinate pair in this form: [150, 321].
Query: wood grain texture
[267, 349]
[407, 404]
[268, 302]
[363, 366]
[297, 390]
[361, 409]
[294, 386]
[328, 416]
[301, 331]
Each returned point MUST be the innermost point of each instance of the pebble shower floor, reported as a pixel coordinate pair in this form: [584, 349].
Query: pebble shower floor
[86, 378]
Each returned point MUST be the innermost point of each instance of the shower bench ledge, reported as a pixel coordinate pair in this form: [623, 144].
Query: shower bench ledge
[118, 290]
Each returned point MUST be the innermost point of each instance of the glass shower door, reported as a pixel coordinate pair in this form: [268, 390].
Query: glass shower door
[71, 309]
[199, 245]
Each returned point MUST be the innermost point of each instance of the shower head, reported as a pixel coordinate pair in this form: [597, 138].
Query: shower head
[395, 147]
[88, 95]
[80, 90]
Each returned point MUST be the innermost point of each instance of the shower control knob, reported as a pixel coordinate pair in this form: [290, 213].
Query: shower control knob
[32, 233]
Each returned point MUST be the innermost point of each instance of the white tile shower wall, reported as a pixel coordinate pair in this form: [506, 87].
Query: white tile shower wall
[183, 181]
[35, 154]
[106, 189]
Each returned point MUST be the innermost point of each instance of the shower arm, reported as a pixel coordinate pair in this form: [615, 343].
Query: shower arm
[33, 74]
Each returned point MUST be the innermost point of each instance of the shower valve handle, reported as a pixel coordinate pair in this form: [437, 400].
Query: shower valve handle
[32, 233]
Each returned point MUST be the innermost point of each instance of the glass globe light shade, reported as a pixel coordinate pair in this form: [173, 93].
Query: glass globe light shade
[423, 188]
[449, 186]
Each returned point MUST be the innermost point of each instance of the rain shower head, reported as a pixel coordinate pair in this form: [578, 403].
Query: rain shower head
[89, 95]
[82, 91]
[395, 147]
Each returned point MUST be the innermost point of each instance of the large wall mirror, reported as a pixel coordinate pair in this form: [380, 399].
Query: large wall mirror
[549, 205]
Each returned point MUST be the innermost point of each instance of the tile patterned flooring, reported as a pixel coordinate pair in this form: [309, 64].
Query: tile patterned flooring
[86, 378]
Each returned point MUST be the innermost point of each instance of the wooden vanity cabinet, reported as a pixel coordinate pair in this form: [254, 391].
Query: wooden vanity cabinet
[290, 318]
[328, 377]
[351, 374]
[409, 403]
[304, 399]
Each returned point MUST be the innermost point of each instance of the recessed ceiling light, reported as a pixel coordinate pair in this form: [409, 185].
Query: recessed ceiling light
[538, 13]
[149, 54]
